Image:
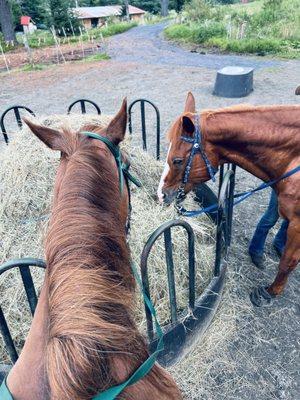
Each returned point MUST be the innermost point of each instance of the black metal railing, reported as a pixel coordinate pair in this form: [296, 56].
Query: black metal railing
[16, 110]
[142, 103]
[186, 326]
[165, 230]
[83, 103]
[24, 268]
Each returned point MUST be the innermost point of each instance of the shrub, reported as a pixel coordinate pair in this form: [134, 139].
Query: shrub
[206, 31]
[195, 33]
[198, 10]
[179, 32]
[246, 45]
[5, 46]
[114, 29]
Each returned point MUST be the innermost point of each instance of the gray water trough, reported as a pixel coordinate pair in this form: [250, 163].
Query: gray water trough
[234, 81]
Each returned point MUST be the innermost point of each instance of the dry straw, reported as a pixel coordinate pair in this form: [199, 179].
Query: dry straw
[27, 176]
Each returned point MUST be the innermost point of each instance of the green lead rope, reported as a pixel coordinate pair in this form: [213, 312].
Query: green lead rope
[145, 368]
[116, 152]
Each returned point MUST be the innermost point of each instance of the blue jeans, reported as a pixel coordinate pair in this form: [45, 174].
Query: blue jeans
[267, 221]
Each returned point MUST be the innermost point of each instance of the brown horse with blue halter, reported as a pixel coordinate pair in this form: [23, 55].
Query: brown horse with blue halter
[263, 140]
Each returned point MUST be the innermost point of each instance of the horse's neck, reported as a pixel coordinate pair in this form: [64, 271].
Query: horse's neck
[27, 379]
[262, 141]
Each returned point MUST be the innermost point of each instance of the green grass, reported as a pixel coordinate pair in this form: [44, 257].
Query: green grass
[254, 28]
[41, 39]
[114, 29]
[251, 8]
[95, 57]
[33, 67]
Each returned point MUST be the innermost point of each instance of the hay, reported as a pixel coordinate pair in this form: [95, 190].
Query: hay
[212, 370]
[27, 177]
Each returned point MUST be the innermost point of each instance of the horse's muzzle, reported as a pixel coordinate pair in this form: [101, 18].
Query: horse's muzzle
[168, 196]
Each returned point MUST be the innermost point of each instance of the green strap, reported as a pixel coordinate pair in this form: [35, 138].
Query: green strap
[143, 370]
[4, 392]
[116, 152]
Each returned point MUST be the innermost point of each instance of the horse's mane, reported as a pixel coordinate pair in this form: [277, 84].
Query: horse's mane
[266, 118]
[90, 284]
[249, 107]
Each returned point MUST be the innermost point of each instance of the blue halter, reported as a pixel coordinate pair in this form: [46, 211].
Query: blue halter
[197, 147]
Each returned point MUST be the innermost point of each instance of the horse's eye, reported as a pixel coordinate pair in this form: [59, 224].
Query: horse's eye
[178, 161]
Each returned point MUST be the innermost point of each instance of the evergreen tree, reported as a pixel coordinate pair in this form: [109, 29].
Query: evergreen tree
[176, 5]
[62, 15]
[38, 10]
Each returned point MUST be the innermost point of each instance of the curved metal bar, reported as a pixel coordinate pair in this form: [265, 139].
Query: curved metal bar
[180, 338]
[223, 223]
[83, 107]
[143, 122]
[182, 333]
[17, 116]
[23, 265]
[22, 262]
[144, 265]
[185, 329]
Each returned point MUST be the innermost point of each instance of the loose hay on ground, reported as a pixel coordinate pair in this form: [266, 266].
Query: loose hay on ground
[27, 177]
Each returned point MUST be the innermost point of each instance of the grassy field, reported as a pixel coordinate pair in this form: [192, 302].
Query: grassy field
[45, 38]
[259, 27]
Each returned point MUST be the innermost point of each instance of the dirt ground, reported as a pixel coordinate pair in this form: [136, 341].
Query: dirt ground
[262, 360]
[49, 55]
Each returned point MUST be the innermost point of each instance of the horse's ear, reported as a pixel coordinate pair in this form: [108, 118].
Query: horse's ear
[188, 126]
[51, 137]
[117, 127]
[190, 103]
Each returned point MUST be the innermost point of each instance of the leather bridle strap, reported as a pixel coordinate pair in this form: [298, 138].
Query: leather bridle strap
[196, 141]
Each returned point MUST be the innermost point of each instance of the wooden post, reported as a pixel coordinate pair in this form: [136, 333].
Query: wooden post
[28, 49]
[4, 58]
[81, 42]
[52, 29]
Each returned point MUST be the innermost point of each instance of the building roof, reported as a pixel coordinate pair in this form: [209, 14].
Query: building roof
[104, 11]
[25, 20]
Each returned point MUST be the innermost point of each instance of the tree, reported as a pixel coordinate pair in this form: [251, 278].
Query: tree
[126, 4]
[164, 8]
[152, 6]
[38, 10]
[62, 15]
[6, 21]
[176, 4]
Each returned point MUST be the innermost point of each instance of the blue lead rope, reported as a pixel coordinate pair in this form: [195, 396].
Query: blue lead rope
[239, 196]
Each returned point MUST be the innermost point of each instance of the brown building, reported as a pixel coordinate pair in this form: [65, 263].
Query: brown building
[92, 17]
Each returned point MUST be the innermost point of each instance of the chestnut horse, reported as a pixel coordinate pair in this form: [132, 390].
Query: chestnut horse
[83, 339]
[264, 141]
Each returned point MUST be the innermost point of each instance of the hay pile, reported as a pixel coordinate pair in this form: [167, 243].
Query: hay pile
[27, 177]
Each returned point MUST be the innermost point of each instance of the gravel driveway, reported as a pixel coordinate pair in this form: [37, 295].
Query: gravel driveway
[265, 352]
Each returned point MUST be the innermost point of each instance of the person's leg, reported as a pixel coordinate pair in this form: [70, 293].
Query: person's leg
[267, 221]
[280, 238]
